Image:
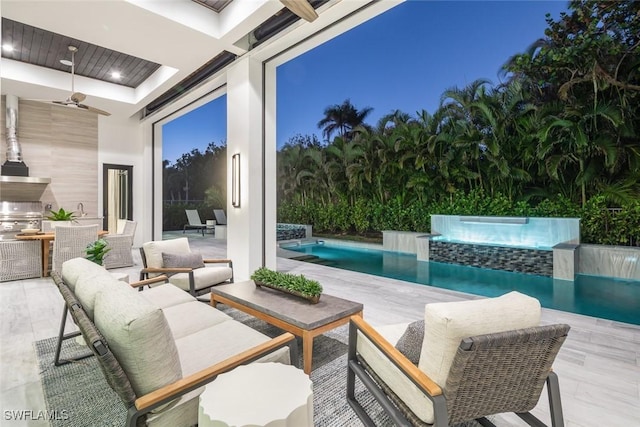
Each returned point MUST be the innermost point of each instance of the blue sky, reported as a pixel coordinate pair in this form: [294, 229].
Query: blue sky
[403, 59]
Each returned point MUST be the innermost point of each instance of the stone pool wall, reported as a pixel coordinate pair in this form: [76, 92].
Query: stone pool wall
[531, 261]
[292, 231]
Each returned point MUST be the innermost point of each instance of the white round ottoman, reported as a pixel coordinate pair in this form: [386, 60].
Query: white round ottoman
[258, 394]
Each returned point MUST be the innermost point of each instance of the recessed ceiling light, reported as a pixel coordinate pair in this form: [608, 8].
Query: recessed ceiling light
[7, 47]
[116, 75]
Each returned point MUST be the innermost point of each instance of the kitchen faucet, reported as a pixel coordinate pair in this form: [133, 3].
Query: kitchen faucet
[81, 209]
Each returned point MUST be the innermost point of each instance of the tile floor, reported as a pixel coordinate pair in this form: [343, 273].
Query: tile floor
[598, 366]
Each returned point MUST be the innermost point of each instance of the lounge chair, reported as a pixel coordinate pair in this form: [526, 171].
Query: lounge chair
[194, 221]
[477, 359]
[221, 218]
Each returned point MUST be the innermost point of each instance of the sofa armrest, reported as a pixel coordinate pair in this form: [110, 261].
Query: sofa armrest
[163, 395]
[411, 371]
[151, 281]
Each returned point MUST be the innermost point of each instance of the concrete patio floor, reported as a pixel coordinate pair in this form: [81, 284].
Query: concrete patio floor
[598, 366]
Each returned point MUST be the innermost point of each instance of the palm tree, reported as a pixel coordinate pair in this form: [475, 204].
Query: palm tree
[342, 119]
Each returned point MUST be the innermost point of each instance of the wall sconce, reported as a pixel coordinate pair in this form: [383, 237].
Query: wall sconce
[235, 180]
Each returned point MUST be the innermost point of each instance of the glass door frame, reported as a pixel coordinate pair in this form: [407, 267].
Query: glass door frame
[106, 167]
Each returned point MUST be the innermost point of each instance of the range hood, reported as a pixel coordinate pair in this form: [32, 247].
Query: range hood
[15, 183]
[22, 188]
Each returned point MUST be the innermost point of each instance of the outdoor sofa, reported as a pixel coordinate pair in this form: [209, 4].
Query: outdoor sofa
[159, 347]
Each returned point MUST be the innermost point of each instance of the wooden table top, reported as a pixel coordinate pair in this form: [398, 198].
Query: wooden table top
[289, 308]
[49, 235]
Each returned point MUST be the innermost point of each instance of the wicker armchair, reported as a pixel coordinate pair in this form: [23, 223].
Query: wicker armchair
[71, 242]
[120, 244]
[487, 374]
[20, 260]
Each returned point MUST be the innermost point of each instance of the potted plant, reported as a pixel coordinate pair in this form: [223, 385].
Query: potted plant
[97, 250]
[61, 215]
[289, 283]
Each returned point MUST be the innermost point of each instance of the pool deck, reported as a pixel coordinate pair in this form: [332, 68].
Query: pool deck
[598, 366]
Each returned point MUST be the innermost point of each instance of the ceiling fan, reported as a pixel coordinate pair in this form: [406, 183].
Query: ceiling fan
[302, 8]
[76, 98]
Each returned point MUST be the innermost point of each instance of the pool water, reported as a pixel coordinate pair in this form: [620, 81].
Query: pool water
[607, 298]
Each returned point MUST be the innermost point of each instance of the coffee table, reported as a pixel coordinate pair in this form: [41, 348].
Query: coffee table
[290, 313]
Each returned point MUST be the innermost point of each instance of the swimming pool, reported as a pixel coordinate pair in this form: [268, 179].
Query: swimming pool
[607, 298]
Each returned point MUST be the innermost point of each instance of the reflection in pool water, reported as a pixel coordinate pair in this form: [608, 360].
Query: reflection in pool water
[615, 299]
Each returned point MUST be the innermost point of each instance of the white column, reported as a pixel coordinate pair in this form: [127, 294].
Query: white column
[245, 234]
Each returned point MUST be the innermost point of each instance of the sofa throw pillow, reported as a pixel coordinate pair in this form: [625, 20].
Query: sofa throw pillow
[186, 260]
[410, 343]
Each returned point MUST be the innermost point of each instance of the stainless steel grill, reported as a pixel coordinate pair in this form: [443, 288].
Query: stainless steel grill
[14, 216]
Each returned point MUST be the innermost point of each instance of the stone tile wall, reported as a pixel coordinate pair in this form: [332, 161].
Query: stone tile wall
[290, 232]
[519, 260]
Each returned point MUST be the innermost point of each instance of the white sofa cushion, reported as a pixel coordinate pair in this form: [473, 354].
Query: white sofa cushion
[139, 336]
[188, 318]
[88, 287]
[166, 295]
[205, 347]
[76, 267]
[203, 277]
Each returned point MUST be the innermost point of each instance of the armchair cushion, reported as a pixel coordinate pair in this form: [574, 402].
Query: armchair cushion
[76, 267]
[153, 250]
[446, 324]
[88, 287]
[185, 260]
[203, 277]
[410, 343]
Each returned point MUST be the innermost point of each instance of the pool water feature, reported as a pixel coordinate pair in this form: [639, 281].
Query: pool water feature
[614, 299]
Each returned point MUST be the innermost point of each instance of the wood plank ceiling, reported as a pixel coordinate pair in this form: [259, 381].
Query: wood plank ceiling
[44, 48]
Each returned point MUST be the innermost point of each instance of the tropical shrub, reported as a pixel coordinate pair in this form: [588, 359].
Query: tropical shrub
[598, 223]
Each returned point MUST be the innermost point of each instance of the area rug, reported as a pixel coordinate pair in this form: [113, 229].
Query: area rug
[78, 395]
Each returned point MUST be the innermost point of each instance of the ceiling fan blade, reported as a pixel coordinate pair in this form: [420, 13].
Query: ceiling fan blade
[67, 102]
[302, 8]
[94, 109]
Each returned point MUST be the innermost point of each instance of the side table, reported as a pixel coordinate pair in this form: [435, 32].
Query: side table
[258, 394]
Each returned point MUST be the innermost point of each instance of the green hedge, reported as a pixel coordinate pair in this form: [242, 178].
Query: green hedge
[598, 224]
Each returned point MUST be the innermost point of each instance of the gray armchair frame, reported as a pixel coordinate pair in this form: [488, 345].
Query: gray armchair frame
[479, 383]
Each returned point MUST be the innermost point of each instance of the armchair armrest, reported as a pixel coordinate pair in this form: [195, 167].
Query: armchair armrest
[217, 261]
[172, 391]
[151, 281]
[166, 270]
[118, 237]
[411, 371]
